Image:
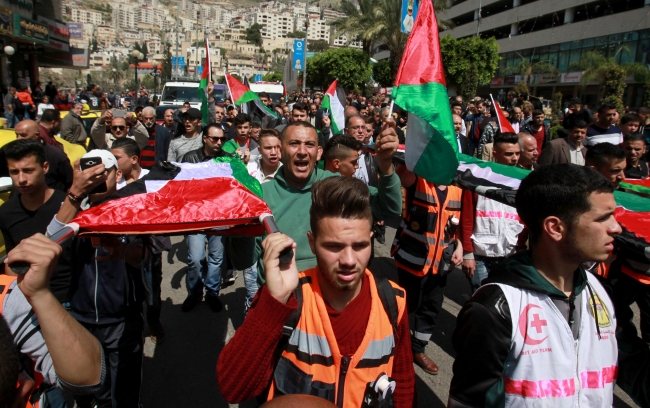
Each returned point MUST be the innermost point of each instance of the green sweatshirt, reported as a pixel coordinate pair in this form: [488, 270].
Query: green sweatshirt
[290, 207]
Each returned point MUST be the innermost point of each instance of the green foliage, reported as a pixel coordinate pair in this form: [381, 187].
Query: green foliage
[556, 109]
[381, 73]
[277, 65]
[272, 77]
[222, 79]
[94, 47]
[553, 131]
[166, 73]
[613, 86]
[296, 34]
[469, 62]
[526, 68]
[254, 34]
[646, 94]
[521, 87]
[379, 21]
[350, 66]
[318, 45]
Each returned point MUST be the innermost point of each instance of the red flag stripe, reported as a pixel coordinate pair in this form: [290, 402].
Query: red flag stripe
[504, 124]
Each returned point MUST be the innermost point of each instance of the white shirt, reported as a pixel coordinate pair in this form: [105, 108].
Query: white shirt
[362, 172]
[42, 107]
[122, 183]
[254, 168]
[575, 155]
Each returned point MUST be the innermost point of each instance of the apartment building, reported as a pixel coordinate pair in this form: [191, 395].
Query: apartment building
[319, 29]
[274, 24]
[558, 32]
[79, 15]
[125, 16]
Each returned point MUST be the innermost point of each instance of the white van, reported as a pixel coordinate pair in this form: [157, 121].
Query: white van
[274, 89]
[177, 93]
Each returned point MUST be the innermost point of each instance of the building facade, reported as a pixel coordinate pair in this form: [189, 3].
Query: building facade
[558, 32]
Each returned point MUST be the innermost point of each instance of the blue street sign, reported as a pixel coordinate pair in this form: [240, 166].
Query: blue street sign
[178, 62]
[199, 70]
[258, 78]
[298, 63]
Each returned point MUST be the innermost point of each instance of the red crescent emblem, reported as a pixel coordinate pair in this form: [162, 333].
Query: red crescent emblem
[536, 325]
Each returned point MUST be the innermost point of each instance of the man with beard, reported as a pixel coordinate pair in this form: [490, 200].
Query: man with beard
[107, 129]
[158, 143]
[49, 126]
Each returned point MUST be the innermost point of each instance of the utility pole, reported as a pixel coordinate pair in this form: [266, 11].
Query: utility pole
[176, 70]
[304, 65]
[196, 49]
[478, 20]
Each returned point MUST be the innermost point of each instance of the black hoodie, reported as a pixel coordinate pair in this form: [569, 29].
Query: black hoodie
[484, 330]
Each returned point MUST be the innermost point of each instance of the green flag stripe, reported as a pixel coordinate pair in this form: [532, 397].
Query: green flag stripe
[635, 187]
[240, 173]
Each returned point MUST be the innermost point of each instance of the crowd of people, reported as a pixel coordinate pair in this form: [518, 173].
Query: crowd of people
[549, 321]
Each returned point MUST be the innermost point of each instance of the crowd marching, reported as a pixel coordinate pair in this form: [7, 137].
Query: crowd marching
[549, 323]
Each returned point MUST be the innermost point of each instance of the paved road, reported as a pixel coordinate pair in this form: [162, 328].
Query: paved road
[181, 371]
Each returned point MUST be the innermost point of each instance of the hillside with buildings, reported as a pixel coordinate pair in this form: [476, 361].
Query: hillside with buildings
[112, 29]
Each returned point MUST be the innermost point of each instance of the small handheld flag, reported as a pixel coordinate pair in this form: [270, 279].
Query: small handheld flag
[504, 124]
[206, 78]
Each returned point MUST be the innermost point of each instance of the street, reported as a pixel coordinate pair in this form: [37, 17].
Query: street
[181, 371]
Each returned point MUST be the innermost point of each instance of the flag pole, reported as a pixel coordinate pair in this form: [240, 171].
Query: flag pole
[304, 65]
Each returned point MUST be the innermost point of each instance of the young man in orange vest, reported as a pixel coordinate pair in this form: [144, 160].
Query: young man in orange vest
[346, 327]
[425, 250]
[541, 330]
[60, 350]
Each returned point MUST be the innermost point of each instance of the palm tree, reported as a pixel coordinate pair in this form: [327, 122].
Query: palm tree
[378, 22]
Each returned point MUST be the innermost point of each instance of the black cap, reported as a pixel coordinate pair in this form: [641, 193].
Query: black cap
[193, 113]
[575, 101]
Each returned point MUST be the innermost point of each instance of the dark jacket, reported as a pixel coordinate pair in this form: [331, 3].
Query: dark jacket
[372, 167]
[528, 128]
[557, 151]
[464, 144]
[163, 138]
[199, 156]
[103, 292]
[483, 334]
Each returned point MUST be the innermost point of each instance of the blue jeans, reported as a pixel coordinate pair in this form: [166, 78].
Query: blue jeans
[11, 118]
[198, 266]
[250, 281]
[483, 266]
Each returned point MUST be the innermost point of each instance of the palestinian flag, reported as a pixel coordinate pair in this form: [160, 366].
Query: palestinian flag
[420, 89]
[334, 100]
[500, 183]
[249, 101]
[206, 77]
[504, 123]
[637, 186]
[217, 197]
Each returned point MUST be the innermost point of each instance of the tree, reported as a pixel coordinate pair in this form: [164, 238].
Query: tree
[144, 50]
[379, 21]
[166, 72]
[94, 47]
[296, 34]
[609, 74]
[350, 66]
[318, 45]
[381, 73]
[278, 63]
[254, 34]
[272, 77]
[222, 79]
[469, 62]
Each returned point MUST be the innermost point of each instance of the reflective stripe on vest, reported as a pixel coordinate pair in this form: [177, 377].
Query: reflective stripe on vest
[496, 228]
[545, 365]
[311, 364]
[5, 288]
[421, 238]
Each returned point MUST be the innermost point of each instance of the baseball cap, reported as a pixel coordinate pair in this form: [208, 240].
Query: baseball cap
[107, 157]
[193, 113]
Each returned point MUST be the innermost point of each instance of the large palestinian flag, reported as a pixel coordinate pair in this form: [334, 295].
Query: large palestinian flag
[420, 89]
[218, 197]
[500, 183]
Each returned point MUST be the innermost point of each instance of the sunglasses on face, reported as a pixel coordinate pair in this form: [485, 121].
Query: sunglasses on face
[215, 139]
[118, 127]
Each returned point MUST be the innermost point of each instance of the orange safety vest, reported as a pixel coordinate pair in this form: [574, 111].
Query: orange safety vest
[311, 362]
[422, 237]
[5, 284]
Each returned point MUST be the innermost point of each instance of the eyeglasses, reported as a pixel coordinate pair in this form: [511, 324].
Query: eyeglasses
[215, 139]
[118, 127]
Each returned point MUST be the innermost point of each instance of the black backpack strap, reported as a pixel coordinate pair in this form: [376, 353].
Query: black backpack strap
[292, 321]
[387, 295]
